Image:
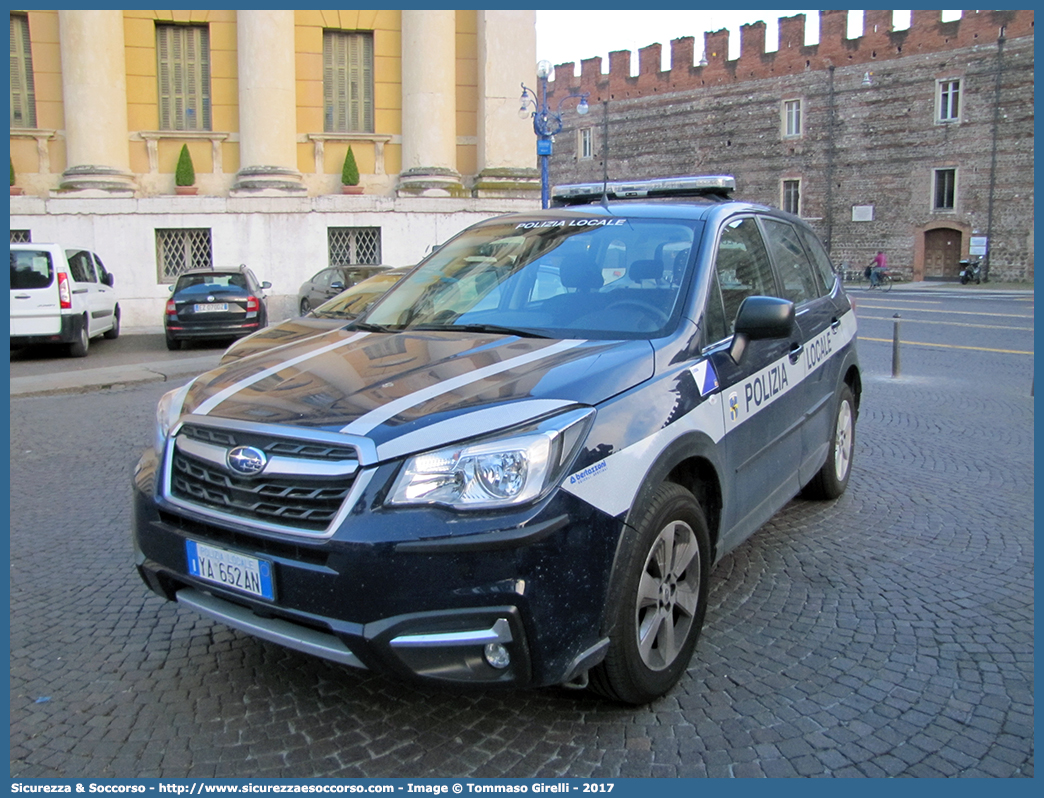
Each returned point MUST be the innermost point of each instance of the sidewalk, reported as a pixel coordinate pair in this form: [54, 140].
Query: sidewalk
[95, 379]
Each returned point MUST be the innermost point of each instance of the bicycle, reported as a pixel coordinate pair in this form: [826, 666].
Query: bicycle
[884, 282]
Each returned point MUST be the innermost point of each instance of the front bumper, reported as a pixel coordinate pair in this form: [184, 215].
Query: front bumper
[418, 593]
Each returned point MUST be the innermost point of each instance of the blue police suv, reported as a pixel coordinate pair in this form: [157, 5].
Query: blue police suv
[519, 467]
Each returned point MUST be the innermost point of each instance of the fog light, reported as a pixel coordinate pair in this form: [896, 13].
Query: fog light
[497, 655]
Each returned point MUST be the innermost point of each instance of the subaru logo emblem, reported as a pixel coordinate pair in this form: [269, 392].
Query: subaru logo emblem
[246, 460]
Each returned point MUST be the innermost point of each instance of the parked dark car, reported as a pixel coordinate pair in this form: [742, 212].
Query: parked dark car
[330, 282]
[338, 312]
[210, 304]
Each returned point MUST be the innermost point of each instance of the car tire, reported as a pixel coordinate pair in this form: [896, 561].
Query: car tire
[173, 344]
[305, 307]
[82, 344]
[657, 599]
[114, 332]
[832, 479]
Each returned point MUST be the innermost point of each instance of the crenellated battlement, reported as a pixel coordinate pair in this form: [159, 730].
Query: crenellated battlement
[927, 33]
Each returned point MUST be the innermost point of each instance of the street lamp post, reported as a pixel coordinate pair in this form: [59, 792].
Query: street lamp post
[546, 123]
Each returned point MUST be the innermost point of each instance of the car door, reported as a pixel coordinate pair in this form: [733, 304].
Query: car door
[826, 320]
[813, 314]
[104, 302]
[35, 300]
[760, 394]
[319, 288]
[85, 289]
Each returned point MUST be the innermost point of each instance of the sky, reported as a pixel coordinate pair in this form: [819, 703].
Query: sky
[564, 36]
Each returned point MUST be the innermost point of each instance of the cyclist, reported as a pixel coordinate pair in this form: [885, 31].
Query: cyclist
[878, 265]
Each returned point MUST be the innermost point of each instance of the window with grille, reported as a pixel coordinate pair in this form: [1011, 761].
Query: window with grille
[347, 82]
[949, 100]
[23, 89]
[945, 189]
[792, 196]
[178, 251]
[792, 118]
[351, 246]
[21, 237]
[183, 59]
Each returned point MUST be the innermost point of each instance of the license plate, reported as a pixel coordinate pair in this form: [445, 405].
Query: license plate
[230, 569]
[217, 307]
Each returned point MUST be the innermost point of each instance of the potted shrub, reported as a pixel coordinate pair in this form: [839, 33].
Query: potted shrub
[350, 174]
[185, 175]
[15, 190]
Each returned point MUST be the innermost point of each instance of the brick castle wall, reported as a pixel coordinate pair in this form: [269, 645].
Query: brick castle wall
[862, 145]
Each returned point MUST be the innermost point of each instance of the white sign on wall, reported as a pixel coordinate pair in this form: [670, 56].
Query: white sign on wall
[862, 213]
[977, 246]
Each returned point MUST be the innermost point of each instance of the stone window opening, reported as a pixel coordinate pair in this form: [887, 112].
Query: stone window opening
[791, 191]
[792, 119]
[179, 250]
[183, 70]
[23, 86]
[944, 194]
[949, 100]
[348, 92]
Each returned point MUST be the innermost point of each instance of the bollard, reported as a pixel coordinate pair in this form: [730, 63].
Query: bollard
[895, 346]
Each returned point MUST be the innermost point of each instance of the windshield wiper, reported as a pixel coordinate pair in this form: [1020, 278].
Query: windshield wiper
[497, 329]
[367, 327]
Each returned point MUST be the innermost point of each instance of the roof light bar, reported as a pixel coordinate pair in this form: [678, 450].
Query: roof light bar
[685, 185]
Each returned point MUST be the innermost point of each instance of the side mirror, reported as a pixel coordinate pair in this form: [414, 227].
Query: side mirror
[109, 280]
[337, 285]
[170, 288]
[761, 317]
[266, 285]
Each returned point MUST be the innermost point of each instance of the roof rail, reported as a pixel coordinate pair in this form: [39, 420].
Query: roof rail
[719, 186]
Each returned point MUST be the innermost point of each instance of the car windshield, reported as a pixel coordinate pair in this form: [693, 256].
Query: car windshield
[354, 302]
[212, 283]
[569, 277]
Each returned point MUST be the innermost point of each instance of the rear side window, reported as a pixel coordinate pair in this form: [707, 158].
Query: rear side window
[81, 266]
[820, 259]
[795, 271]
[31, 269]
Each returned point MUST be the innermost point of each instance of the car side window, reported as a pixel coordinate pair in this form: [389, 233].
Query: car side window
[80, 266]
[742, 266]
[795, 270]
[715, 328]
[102, 271]
[820, 259]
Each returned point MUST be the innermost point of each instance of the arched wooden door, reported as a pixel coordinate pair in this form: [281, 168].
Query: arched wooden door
[942, 254]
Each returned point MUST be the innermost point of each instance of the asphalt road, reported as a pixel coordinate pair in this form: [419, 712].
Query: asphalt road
[889, 633]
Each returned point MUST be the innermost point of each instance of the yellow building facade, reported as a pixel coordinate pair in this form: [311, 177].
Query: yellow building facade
[443, 95]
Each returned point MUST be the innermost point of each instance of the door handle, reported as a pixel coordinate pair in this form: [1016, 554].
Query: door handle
[796, 349]
[22, 296]
[835, 324]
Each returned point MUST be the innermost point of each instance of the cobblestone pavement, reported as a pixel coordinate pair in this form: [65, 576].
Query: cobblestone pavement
[889, 633]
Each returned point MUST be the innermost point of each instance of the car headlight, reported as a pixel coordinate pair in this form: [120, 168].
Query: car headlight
[512, 468]
[167, 413]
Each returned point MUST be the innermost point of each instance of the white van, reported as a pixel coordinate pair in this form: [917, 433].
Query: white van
[61, 296]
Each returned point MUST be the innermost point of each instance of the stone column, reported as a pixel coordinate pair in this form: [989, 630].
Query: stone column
[267, 103]
[507, 144]
[429, 105]
[94, 93]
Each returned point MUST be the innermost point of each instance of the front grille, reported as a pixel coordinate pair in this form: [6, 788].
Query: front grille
[269, 444]
[307, 502]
